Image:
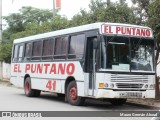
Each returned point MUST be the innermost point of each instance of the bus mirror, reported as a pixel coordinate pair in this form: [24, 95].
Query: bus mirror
[95, 43]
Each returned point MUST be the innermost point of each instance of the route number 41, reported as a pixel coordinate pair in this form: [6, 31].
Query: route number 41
[51, 85]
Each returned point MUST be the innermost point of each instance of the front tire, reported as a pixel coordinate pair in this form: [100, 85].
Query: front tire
[29, 92]
[72, 95]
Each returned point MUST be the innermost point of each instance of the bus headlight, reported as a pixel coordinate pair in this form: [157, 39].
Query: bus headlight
[112, 85]
[106, 85]
[146, 86]
[151, 86]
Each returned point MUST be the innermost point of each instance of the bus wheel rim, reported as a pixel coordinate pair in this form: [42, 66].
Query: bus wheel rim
[73, 93]
[27, 87]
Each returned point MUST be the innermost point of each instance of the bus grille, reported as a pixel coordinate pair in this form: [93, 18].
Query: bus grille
[131, 78]
[124, 85]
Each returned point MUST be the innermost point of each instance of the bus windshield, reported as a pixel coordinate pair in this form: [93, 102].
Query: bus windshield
[126, 54]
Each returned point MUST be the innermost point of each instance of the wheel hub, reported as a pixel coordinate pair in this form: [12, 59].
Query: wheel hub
[27, 87]
[73, 93]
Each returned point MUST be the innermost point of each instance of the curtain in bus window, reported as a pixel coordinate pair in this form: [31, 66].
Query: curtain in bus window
[58, 46]
[37, 49]
[77, 46]
[20, 53]
[47, 49]
[64, 45]
[15, 53]
[27, 54]
[61, 48]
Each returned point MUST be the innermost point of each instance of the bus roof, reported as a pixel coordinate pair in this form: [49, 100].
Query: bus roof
[75, 30]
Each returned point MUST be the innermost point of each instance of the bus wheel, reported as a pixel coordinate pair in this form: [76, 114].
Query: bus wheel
[72, 96]
[118, 102]
[29, 92]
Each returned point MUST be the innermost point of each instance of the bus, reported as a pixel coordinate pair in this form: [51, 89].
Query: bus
[106, 61]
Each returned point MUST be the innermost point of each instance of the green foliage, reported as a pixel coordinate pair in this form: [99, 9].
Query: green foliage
[105, 12]
[5, 52]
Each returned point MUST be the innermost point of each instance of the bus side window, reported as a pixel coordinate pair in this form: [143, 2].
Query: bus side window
[15, 55]
[76, 47]
[28, 49]
[61, 47]
[20, 55]
[37, 50]
[47, 49]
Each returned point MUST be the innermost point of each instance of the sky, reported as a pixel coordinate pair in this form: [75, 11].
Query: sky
[69, 7]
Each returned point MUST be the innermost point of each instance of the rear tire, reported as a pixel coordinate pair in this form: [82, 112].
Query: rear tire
[118, 102]
[72, 96]
[29, 92]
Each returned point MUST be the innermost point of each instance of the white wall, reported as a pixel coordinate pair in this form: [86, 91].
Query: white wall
[6, 70]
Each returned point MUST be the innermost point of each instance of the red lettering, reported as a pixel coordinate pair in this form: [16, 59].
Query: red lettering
[148, 33]
[143, 32]
[106, 29]
[49, 85]
[117, 29]
[54, 85]
[129, 31]
[133, 30]
[19, 70]
[46, 67]
[123, 30]
[138, 32]
[15, 67]
[70, 69]
[39, 68]
[61, 69]
[27, 67]
[110, 30]
[53, 69]
[33, 68]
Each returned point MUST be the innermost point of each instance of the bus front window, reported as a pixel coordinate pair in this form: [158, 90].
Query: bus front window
[142, 55]
[126, 53]
[115, 54]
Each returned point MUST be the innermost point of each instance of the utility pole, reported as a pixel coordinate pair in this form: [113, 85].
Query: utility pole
[1, 69]
[54, 10]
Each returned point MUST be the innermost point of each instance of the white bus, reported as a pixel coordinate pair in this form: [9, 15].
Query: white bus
[108, 61]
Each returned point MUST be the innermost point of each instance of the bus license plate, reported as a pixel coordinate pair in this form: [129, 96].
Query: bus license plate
[131, 94]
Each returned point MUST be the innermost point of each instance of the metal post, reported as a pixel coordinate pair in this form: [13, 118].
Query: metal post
[54, 10]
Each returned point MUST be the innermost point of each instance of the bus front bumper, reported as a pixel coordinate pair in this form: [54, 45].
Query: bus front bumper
[105, 93]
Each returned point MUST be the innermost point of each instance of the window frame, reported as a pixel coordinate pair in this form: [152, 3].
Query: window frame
[67, 47]
[38, 58]
[84, 47]
[45, 57]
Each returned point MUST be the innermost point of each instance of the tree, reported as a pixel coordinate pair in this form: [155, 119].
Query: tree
[154, 22]
[105, 11]
[28, 21]
[148, 14]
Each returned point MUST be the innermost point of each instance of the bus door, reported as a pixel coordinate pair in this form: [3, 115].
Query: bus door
[90, 76]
